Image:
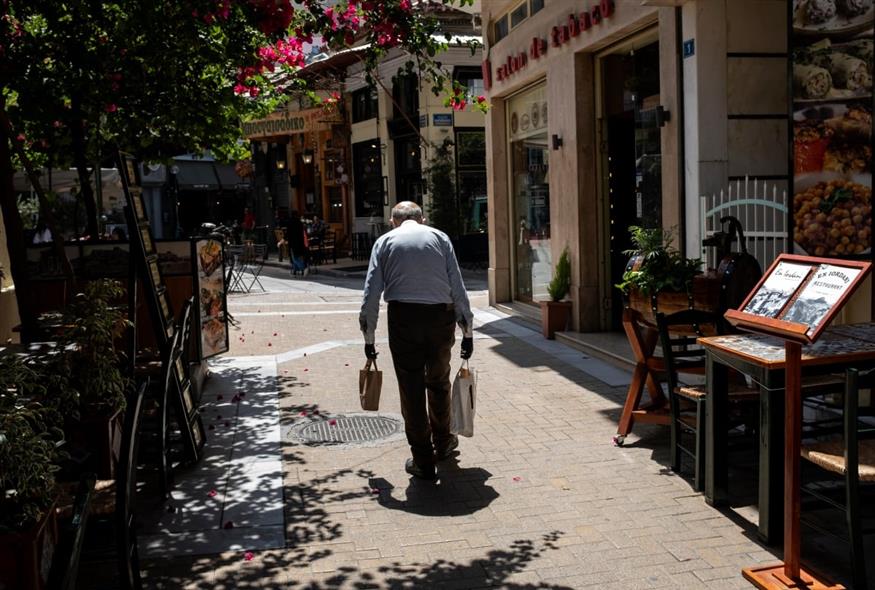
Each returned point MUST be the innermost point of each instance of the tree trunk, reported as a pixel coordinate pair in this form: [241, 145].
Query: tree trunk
[80, 160]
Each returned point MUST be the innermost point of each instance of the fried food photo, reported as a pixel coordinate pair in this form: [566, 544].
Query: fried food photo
[833, 218]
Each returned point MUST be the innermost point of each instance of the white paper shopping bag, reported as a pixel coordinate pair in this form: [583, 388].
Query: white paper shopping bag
[464, 401]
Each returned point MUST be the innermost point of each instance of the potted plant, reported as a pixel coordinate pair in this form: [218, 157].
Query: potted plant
[659, 278]
[30, 440]
[94, 368]
[555, 313]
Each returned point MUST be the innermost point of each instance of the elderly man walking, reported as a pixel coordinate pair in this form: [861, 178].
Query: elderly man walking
[415, 268]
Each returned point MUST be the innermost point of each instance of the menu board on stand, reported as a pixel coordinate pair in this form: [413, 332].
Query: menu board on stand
[144, 256]
[210, 293]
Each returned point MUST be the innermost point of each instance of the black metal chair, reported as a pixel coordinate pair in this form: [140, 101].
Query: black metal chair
[678, 333]
[852, 457]
[65, 563]
[112, 528]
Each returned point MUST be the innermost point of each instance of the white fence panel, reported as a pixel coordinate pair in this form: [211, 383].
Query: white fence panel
[762, 212]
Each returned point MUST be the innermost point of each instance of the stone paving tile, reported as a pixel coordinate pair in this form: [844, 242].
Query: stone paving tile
[538, 498]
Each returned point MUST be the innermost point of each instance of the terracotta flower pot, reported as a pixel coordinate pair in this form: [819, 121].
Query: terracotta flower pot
[554, 317]
[26, 557]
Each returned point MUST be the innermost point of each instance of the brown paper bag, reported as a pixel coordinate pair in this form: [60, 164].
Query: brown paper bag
[370, 383]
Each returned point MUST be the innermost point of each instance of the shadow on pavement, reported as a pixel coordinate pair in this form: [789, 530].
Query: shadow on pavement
[458, 492]
[494, 569]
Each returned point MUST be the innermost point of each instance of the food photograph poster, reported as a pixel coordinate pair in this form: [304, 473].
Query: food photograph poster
[831, 47]
[211, 296]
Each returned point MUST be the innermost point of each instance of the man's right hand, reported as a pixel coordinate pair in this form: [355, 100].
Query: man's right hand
[371, 352]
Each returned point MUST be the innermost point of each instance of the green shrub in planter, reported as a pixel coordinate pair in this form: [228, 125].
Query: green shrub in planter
[560, 284]
[93, 364]
[30, 441]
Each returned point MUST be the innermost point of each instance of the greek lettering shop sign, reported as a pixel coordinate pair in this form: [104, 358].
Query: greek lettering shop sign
[287, 123]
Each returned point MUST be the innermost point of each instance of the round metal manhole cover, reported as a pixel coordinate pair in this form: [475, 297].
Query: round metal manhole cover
[348, 430]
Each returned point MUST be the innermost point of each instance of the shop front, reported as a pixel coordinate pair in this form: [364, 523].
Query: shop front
[575, 144]
[305, 163]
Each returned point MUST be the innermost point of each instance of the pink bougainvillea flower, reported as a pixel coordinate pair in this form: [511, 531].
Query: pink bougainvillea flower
[239, 88]
[332, 422]
[248, 556]
[212, 493]
[517, 478]
[229, 525]
[111, 108]
[302, 414]
[481, 99]
[404, 5]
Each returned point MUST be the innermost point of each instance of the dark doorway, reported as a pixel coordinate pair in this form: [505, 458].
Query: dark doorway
[633, 154]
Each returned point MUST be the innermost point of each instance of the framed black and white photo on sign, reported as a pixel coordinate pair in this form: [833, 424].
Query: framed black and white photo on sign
[799, 296]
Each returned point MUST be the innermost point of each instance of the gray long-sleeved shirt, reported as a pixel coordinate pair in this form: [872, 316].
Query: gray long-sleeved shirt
[414, 263]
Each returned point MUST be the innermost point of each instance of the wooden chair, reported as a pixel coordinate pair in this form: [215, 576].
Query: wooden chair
[853, 459]
[328, 249]
[282, 245]
[678, 333]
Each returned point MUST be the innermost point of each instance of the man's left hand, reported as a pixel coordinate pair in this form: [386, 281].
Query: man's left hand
[467, 347]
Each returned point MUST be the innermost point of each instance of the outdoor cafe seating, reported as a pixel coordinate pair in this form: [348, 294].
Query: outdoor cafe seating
[247, 262]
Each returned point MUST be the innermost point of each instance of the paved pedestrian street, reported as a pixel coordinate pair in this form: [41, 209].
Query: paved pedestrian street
[538, 498]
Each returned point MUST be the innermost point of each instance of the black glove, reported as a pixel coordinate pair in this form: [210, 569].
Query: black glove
[467, 348]
[371, 352]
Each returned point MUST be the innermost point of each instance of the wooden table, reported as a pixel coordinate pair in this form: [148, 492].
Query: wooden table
[764, 358]
[642, 339]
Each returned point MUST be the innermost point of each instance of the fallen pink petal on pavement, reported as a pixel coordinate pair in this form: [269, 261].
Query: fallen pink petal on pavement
[248, 556]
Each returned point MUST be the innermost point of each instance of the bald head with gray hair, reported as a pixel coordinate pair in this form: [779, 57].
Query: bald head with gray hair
[406, 210]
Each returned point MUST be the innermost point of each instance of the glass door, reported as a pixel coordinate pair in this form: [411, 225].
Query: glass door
[530, 165]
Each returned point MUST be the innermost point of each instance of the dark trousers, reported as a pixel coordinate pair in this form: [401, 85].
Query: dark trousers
[421, 339]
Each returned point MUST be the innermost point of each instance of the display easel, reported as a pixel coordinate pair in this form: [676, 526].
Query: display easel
[796, 300]
[145, 257]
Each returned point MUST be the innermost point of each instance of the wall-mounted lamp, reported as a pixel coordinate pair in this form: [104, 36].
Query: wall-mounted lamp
[557, 142]
[280, 164]
[662, 116]
[307, 157]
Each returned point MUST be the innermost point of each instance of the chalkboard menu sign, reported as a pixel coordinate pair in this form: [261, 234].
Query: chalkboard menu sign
[831, 45]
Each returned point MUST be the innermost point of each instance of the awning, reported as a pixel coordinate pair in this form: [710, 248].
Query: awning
[198, 176]
[228, 177]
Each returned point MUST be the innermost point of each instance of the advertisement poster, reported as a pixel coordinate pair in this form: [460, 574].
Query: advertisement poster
[211, 296]
[831, 46]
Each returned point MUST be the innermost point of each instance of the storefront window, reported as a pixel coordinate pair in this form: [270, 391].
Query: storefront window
[364, 104]
[471, 167]
[408, 169]
[368, 179]
[527, 121]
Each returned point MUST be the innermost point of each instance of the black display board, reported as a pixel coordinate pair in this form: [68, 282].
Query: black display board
[145, 257]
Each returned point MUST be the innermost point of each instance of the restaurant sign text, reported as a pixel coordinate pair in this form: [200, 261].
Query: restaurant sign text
[287, 123]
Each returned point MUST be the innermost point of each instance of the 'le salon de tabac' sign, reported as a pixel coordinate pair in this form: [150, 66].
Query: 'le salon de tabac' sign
[291, 122]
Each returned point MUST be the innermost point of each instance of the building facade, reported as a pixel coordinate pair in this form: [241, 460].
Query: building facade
[613, 113]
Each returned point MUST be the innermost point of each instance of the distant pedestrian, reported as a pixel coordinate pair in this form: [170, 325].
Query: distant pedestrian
[296, 237]
[248, 224]
[414, 267]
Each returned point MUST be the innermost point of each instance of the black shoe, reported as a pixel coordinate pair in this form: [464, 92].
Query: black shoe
[428, 474]
[444, 454]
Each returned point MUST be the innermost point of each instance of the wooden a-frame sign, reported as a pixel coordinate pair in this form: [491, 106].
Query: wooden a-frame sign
[798, 296]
